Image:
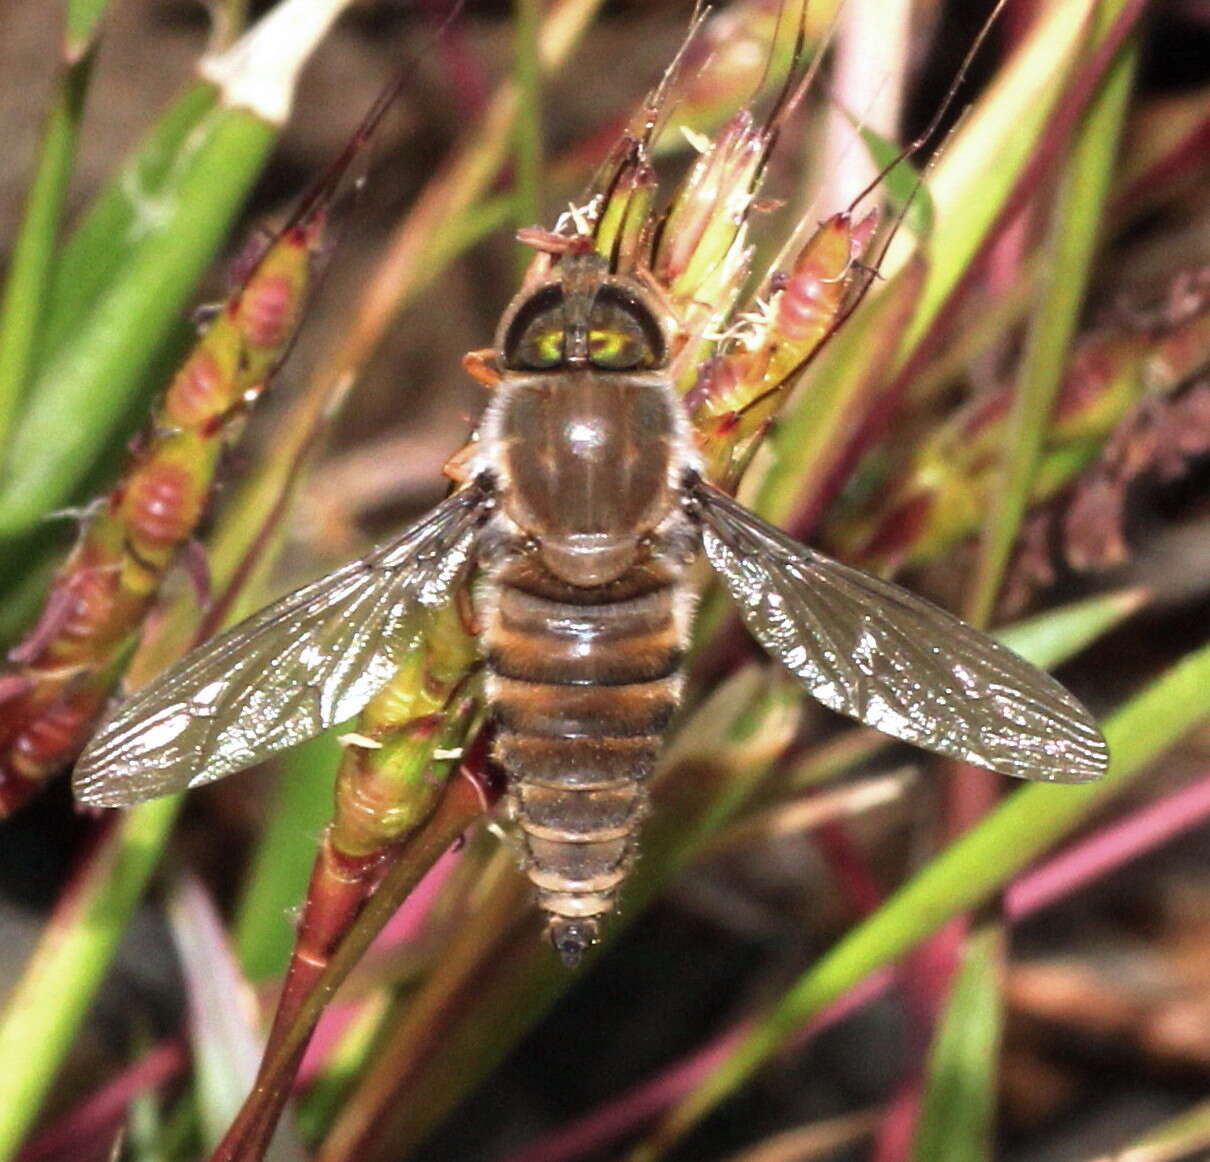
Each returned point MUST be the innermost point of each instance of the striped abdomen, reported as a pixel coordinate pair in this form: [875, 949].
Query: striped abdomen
[582, 682]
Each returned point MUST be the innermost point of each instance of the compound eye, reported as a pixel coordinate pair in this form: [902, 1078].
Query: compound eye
[534, 341]
[623, 335]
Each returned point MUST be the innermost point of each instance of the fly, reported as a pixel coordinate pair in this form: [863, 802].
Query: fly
[583, 509]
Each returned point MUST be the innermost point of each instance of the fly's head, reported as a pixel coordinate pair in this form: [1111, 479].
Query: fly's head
[586, 319]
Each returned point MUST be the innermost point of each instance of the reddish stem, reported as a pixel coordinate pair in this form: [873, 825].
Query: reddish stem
[402, 929]
[1105, 851]
[340, 889]
[90, 1125]
[897, 1128]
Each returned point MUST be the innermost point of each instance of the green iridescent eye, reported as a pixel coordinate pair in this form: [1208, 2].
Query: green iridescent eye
[542, 349]
[534, 341]
[540, 346]
[614, 349]
[623, 334]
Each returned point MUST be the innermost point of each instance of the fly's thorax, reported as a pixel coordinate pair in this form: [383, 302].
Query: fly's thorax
[586, 464]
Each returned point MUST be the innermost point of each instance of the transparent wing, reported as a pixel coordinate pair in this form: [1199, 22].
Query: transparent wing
[313, 658]
[877, 653]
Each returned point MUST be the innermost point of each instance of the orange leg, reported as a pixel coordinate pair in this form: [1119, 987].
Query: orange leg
[455, 466]
[481, 365]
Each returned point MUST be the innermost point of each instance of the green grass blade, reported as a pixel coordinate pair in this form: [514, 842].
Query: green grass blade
[117, 219]
[1074, 228]
[527, 133]
[1049, 639]
[83, 22]
[80, 397]
[960, 1091]
[42, 1013]
[961, 877]
[982, 164]
[29, 272]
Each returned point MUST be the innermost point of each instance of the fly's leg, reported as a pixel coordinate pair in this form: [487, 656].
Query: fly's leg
[481, 365]
[457, 467]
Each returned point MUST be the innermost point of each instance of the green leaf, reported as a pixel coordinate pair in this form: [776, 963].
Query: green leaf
[116, 221]
[80, 396]
[956, 1119]
[29, 272]
[1053, 637]
[83, 24]
[1074, 228]
[903, 185]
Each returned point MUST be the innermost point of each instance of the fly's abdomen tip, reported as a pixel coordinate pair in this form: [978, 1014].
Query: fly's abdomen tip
[572, 938]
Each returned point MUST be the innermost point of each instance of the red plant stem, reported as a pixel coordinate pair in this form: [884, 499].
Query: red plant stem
[339, 887]
[336, 894]
[1089, 859]
[467, 795]
[897, 1127]
[91, 1123]
[403, 928]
